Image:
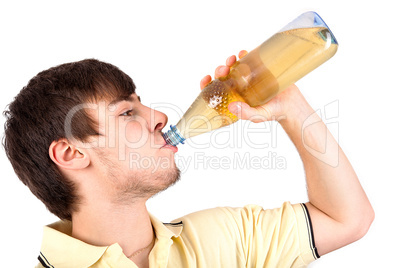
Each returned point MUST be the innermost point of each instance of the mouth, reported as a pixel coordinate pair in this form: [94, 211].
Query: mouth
[170, 147]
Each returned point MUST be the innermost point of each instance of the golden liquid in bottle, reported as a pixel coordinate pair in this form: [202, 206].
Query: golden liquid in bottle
[258, 77]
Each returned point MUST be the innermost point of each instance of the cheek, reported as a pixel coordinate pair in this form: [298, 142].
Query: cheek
[134, 134]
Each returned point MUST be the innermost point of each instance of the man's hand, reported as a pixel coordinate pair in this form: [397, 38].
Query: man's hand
[276, 109]
[222, 70]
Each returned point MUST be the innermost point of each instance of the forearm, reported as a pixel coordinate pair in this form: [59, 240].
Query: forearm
[332, 184]
[339, 209]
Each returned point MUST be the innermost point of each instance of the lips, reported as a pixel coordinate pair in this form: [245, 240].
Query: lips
[171, 147]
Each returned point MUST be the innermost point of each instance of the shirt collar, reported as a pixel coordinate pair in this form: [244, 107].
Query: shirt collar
[60, 249]
[166, 230]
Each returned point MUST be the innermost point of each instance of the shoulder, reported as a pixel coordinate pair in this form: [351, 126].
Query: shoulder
[247, 212]
[241, 219]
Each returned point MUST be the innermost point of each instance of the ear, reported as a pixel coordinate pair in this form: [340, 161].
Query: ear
[67, 156]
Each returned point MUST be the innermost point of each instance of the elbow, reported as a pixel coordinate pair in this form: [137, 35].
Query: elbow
[368, 219]
[362, 223]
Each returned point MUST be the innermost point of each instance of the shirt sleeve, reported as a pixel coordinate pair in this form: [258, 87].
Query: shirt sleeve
[250, 237]
[281, 237]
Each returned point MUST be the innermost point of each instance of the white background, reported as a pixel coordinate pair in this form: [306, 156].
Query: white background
[167, 47]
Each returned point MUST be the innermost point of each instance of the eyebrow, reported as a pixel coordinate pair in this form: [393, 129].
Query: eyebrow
[120, 99]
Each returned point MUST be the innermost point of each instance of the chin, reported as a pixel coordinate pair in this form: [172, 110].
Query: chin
[171, 176]
[165, 180]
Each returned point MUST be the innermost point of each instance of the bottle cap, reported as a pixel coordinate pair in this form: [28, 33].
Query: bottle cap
[173, 136]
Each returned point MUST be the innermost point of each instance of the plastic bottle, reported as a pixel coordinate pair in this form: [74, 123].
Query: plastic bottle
[297, 49]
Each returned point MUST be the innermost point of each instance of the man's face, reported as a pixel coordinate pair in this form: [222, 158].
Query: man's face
[129, 155]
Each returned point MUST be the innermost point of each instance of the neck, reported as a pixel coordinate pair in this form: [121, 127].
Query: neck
[103, 224]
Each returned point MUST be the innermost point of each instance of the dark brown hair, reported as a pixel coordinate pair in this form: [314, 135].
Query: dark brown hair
[37, 116]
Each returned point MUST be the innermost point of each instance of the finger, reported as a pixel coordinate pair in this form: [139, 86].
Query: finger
[230, 61]
[205, 81]
[242, 53]
[255, 114]
[221, 71]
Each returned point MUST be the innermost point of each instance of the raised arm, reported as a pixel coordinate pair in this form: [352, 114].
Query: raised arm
[339, 208]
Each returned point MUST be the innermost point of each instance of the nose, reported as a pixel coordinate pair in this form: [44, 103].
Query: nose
[158, 120]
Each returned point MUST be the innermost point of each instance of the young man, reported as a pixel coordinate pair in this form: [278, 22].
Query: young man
[70, 134]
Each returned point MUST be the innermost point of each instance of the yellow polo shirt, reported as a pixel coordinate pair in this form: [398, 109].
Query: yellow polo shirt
[219, 237]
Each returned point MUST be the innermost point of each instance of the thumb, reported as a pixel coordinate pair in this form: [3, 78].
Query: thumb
[243, 111]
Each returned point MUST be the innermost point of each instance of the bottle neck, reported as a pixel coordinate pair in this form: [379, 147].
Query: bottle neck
[173, 136]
